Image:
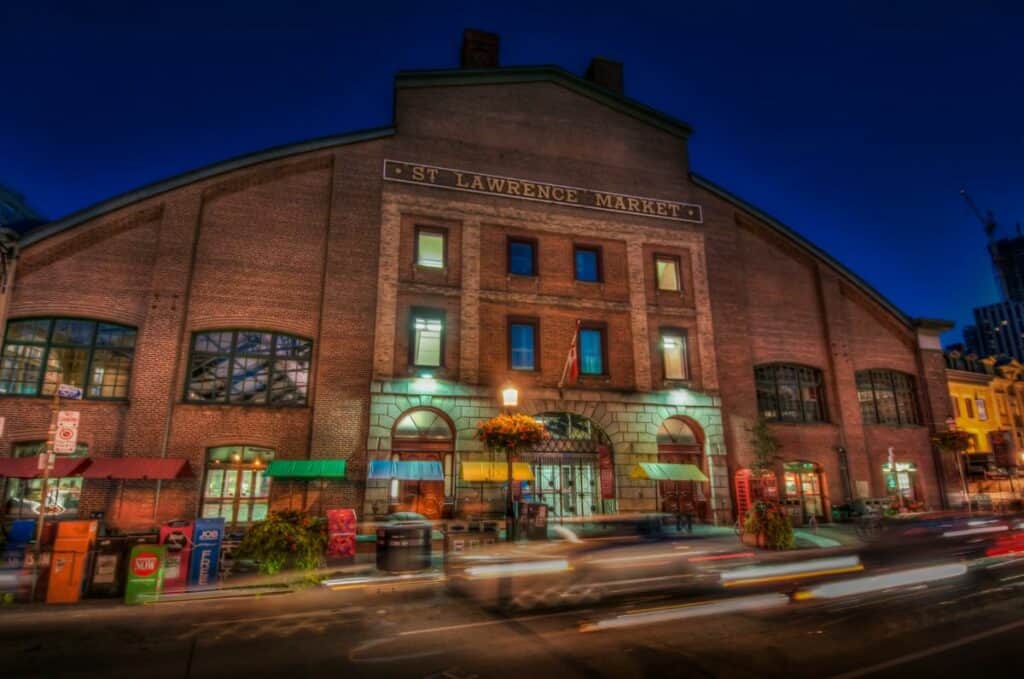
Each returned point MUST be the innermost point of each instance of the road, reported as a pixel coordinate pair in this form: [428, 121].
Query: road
[955, 627]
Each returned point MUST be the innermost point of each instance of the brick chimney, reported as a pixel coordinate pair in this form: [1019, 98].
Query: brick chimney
[479, 49]
[606, 73]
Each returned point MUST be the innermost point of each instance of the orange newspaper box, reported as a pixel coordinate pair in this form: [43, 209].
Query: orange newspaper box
[69, 561]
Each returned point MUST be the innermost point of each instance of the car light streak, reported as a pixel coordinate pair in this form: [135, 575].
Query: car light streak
[723, 557]
[525, 568]
[348, 583]
[974, 531]
[877, 583]
[752, 575]
[697, 610]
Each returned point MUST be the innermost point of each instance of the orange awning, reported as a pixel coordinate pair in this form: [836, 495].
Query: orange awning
[28, 467]
[139, 468]
[496, 471]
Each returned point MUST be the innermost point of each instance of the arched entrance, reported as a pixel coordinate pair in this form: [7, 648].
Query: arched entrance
[422, 434]
[681, 441]
[573, 471]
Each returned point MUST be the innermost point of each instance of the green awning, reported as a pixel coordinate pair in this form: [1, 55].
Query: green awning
[306, 469]
[664, 471]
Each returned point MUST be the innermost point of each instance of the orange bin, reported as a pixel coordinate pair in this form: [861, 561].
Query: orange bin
[70, 558]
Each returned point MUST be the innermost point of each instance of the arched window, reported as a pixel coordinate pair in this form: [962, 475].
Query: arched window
[887, 397]
[677, 432]
[423, 424]
[249, 367]
[41, 353]
[790, 393]
[236, 487]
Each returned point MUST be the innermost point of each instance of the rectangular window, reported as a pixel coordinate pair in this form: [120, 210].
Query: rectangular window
[427, 338]
[673, 354]
[982, 409]
[956, 405]
[522, 257]
[591, 348]
[522, 343]
[243, 367]
[587, 264]
[430, 248]
[666, 270]
[969, 407]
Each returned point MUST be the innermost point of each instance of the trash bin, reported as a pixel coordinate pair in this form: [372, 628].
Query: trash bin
[69, 564]
[455, 537]
[404, 547]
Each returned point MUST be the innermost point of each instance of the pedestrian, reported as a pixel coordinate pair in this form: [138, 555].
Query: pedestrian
[813, 523]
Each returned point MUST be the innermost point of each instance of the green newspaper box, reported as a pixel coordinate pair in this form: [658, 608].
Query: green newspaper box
[145, 574]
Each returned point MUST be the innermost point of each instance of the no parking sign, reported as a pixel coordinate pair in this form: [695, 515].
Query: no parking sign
[66, 437]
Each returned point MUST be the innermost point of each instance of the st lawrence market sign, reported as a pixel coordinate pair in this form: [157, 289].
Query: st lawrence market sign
[542, 192]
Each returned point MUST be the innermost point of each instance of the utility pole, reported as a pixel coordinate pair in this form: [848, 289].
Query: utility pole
[46, 461]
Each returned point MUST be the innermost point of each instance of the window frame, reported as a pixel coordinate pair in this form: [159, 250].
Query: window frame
[438, 231]
[599, 257]
[890, 390]
[602, 328]
[272, 357]
[665, 330]
[236, 500]
[521, 240]
[433, 314]
[823, 410]
[47, 345]
[675, 259]
[524, 320]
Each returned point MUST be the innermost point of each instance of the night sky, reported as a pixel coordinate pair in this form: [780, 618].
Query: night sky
[854, 123]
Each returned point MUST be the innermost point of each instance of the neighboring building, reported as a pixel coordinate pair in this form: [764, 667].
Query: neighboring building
[998, 330]
[309, 311]
[1008, 265]
[987, 400]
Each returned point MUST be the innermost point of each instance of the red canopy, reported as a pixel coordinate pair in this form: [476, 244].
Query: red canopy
[137, 468]
[28, 467]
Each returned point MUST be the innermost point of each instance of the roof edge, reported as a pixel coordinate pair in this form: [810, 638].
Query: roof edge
[544, 73]
[807, 245]
[76, 218]
[937, 324]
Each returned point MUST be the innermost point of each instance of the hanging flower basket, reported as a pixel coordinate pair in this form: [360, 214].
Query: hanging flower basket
[511, 433]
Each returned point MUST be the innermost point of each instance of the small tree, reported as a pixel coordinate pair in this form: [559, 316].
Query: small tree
[765, 446]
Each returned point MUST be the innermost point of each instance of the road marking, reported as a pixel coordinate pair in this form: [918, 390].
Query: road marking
[485, 623]
[933, 650]
[394, 658]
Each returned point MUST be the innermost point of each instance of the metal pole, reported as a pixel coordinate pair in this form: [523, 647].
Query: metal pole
[48, 458]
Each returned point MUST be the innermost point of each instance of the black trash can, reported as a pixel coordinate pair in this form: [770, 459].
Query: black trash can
[404, 547]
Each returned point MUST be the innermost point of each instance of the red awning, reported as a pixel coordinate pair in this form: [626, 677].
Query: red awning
[138, 468]
[28, 467]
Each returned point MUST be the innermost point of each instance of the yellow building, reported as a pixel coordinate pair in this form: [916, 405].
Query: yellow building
[988, 403]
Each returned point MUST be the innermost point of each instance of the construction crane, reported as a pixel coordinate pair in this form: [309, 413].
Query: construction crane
[988, 220]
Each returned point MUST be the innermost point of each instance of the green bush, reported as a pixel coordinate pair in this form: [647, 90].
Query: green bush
[769, 519]
[286, 538]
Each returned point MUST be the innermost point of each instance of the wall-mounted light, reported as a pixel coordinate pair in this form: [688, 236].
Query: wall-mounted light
[510, 396]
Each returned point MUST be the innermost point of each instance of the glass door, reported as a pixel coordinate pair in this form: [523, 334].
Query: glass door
[239, 495]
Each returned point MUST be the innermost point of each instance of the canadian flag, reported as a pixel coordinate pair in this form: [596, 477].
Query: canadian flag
[571, 369]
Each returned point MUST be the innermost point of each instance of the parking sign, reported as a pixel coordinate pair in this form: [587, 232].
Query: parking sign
[66, 437]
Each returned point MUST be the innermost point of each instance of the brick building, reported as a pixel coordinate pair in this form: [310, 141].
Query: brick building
[364, 298]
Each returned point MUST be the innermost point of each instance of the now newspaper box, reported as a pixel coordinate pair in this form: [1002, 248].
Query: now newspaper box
[145, 574]
[205, 566]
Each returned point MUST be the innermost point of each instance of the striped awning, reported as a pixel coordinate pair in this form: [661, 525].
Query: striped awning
[496, 471]
[664, 471]
[406, 470]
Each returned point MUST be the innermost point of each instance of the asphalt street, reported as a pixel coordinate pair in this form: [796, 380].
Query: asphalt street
[955, 627]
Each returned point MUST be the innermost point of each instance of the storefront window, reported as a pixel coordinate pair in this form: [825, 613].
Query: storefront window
[249, 367]
[22, 497]
[899, 479]
[41, 353]
[236, 486]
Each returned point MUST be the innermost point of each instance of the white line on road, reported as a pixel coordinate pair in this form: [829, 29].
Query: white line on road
[933, 650]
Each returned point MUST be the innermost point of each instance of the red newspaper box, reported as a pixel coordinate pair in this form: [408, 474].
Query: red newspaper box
[176, 536]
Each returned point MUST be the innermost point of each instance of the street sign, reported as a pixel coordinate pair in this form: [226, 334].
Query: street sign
[69, 391]
[66, 437]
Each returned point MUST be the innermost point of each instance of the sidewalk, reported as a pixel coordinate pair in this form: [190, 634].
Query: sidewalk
[828, 535]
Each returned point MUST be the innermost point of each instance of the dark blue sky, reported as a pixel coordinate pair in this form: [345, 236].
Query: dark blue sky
[854, 123]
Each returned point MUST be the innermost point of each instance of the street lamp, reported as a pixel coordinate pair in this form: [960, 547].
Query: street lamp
[960, 462]
[509, 399]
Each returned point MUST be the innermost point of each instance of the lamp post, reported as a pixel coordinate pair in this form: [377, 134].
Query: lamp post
[509, 399]
[960, 461]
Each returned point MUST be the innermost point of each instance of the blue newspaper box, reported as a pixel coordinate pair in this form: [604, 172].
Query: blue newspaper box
[205, 563]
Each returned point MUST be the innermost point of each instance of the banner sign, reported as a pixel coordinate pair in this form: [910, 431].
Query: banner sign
[540, 192]
[145, 574]
[607, 469]
[66, 437]
[205, 563]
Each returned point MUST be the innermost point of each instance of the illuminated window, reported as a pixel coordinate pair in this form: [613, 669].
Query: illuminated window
[667, 273]
[22, 497]
[430, 248]
[41, 353]
[236, 487]
[790, 393]
[982, 409]
[673, 354]
[427, 342]
[587, 263]
[249, 367]
[889, 397]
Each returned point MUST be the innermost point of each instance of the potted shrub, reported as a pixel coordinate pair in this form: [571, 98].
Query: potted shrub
[767, 525]
[286, 538]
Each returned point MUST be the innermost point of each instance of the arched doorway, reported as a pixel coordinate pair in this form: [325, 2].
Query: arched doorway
[422, 434]
[681, 441]
[573, 471]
